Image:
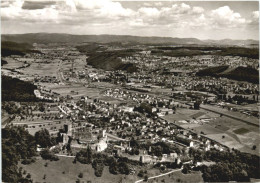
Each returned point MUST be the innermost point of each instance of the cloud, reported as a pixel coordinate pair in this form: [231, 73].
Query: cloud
[151, 12]
[254, 19]
[224, 16]
[197, 9]
[158, 4]
[102, 16]
[255, 14]
[147, 4]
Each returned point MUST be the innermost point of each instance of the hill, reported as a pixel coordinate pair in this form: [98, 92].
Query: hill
[179, 51]
[62, 38]
[13, 48]
[68, 38]
[238, 73]
[14, 89]
[110, 61]
[3, 62]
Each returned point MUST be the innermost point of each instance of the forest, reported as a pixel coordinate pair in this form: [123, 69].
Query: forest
[207, 50]
[14, 89]
[239, 73]
[12, 48]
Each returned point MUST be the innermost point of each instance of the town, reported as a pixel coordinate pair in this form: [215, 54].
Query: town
[161, 117]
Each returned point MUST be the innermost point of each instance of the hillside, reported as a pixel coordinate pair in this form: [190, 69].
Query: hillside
[16, 90]
[3, 62]
[68, 38]
[12, 48]
[109, 61]
[181, 51]
[238, 73]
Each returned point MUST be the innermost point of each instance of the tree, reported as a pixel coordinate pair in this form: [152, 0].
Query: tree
[89, 154]
[84, 156]
[80, 175]
[123, 168]
[145, 178]
[186, 169]
[141, 173]
[43, 138]
[41, 108]
[47, 155]
[197, 105]
[113, 168]
[28, 176]
[17, 144]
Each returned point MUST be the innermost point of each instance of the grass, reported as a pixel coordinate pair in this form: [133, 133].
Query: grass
[65, 171]
[179, 177]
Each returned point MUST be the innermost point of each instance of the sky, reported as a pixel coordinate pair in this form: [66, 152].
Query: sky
[184, 19]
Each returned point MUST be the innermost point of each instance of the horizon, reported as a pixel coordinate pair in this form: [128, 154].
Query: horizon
[129, 35]
[214, 20]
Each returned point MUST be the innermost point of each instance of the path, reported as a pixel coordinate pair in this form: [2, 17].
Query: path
[159, 175]
[63, 155]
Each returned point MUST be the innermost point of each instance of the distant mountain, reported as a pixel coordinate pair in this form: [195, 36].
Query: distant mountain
[248, 42]
[236, 73]
[68, 38]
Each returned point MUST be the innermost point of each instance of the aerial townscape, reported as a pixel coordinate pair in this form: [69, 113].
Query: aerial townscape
[127, 108]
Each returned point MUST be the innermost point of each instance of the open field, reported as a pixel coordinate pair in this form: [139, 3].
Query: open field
[78, 90]
[188, 114]
[12, 63]
[42, 69]
[250, 119]
[237, 134]
[65, 170]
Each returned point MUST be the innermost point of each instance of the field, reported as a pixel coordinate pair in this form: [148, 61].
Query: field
[251, 119]
[236, 134]
[65, 170]
[42, 69]
[181, 114]
[12, 63]
[78, 90]
[225, 130]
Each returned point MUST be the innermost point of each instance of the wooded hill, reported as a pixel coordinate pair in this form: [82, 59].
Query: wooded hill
[14, 89]
[238, 73]
[12, 48]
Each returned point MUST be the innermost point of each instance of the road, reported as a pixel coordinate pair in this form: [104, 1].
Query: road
[154, 177]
